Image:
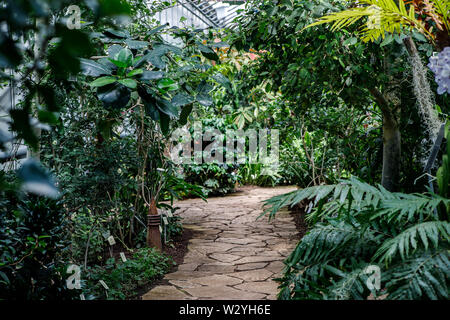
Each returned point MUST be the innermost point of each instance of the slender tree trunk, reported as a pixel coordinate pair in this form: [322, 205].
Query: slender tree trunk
[391, 141]
[391, 153]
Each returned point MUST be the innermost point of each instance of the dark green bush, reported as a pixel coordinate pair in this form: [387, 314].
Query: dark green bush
[32, 242]
[124, 278]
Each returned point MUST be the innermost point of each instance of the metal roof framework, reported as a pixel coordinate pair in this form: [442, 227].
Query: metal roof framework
[206, 11]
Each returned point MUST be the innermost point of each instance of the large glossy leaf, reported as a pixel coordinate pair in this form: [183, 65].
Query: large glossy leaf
[151, 109]
[155, 55]
[114, 50]
[134, 44]
[168, 108]
[164, 48]
[130, 83]
[208, 52]
[149, 100]
[135, 72]
[157, 29]
[164, 122]
[185, 112]
[36, 179]
[125, 56]
[182, 99]
[221, 79]
[154, 58]
[93, 69]
[203, 96]
[168, 84]
[117, 34]
[103, 81]
[114, 95]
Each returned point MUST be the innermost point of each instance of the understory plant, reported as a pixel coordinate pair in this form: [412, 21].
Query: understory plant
[123, 278]
[356, 226]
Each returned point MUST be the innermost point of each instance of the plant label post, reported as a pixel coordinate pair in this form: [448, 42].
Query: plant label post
[153, 222]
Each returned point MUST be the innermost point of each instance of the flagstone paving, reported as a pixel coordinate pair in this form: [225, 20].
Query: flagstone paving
[232, 256]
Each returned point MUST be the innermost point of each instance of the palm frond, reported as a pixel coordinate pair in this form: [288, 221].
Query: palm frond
[424, 275]
[327, 241]
[442, 7]
[408, 240]
[382, 16]
[354, 195]
[350, 286]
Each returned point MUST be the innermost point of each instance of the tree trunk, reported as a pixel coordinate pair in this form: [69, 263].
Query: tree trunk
[153, 234]
[391, 153]
[391, 141]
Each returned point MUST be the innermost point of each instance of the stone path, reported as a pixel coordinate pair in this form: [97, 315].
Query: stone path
[232, 256]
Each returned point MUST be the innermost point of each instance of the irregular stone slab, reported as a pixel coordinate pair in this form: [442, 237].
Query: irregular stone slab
[211, 247]
[224, 257]
[216, 268]
[243, 295]
[257, 259]
[236, 240]
[188, 266]
[164, 293]
[253, 275]
[184, 284]
[251, 266]
[217, 280]
[184, 275]
[268, 287]
[216, 292]
[275, 266]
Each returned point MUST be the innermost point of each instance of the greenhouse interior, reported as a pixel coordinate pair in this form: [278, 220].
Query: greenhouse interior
[258, 150]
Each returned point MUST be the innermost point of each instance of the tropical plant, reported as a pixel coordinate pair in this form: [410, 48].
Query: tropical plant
[356, 225]
[123, 278]
[33, 243]
[394, 17]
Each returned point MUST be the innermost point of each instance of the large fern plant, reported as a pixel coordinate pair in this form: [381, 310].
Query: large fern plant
[355, 225]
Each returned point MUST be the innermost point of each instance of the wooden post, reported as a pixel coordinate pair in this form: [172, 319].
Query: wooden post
[153, 222]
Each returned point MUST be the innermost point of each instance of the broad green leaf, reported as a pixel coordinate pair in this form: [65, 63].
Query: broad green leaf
[168, 84]
[36, 179]
[94, 69]
[130, 83]
[125, 56]
[114, 95]
[103, 81]
[182, 99]
[135, 72]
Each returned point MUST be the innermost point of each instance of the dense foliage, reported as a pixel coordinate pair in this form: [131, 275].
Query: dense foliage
[344, 85]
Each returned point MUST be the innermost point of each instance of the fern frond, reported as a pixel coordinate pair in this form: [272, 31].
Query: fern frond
[351, 286]
[383, 16]
[424, 275]
[357, 196]
[408, 240]
[327, 241]
[442, 7]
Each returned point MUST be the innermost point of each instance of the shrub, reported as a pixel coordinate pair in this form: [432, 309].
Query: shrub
[124, 278]
[32, 242]
[356, 225]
